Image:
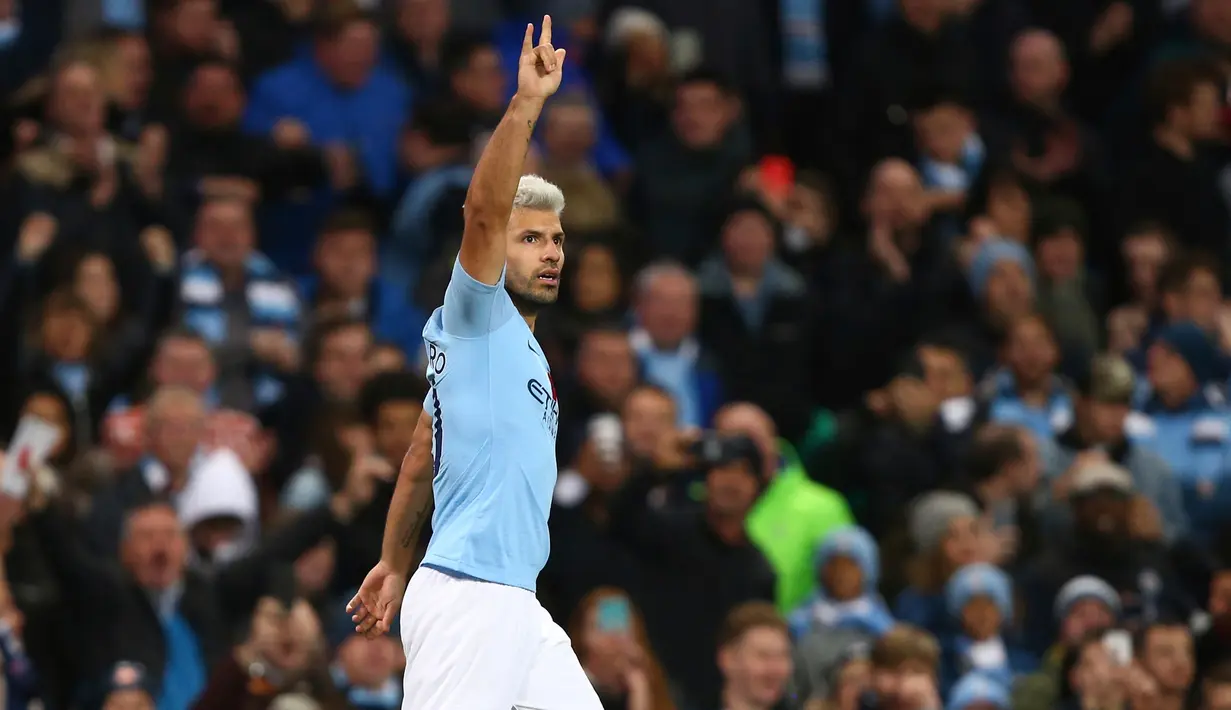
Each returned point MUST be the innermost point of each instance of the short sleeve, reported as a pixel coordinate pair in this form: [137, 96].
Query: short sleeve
[473, 309]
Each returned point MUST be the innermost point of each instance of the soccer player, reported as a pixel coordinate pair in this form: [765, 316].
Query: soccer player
[475, 635]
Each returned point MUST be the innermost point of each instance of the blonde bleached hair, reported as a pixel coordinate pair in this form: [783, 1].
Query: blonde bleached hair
[535, 193]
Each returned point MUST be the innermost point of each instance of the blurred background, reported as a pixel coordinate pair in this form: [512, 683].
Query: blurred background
[892, 347]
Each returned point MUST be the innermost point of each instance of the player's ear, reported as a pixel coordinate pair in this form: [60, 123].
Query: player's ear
[725, 659]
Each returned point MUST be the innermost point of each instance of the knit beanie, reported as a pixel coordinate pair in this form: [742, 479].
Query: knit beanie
[932, 513]
[991, 253]
[979, 580]
[1196, 348]
[1086, 586]
[856, 544]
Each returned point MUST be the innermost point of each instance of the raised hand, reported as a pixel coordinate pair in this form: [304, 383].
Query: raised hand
[540, 68]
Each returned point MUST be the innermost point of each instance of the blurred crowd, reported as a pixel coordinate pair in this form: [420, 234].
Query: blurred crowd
[892, 348]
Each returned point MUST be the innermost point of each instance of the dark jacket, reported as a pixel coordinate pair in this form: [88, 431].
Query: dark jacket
[116, 619]
[766, 362]
[698, 577]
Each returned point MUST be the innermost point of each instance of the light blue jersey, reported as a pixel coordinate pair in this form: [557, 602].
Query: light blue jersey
[494, 416]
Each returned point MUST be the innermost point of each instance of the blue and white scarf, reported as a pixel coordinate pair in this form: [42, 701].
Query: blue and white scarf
[805, 48]
[866, 613]
[954, 177]
[272, 303]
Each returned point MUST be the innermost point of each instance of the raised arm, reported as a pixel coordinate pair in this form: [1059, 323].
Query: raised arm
[489, 201]
[380, 596]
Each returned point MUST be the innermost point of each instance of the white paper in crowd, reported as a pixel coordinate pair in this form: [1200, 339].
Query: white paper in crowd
[31, 443]
[607, 433]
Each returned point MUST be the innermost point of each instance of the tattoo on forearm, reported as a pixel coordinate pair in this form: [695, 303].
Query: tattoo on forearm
[410, 530]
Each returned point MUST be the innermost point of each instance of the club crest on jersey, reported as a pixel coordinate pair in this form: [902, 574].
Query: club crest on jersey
[546, 397]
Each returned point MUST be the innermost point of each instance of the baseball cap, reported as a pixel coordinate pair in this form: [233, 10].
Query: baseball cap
[1109, 378]
[1103, 477]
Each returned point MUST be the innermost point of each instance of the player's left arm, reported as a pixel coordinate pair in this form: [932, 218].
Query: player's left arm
[412, 500]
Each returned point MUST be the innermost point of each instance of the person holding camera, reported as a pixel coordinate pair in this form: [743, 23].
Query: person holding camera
[700, 555]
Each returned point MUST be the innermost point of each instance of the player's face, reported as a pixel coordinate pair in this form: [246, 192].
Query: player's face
[535, 258]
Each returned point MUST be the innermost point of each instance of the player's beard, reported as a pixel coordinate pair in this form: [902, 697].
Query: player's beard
[530, 295]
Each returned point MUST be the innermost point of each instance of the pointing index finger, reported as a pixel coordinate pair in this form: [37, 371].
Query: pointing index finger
[527, 42]
[545, 37]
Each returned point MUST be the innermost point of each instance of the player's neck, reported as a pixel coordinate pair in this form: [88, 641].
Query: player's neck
[530, 318]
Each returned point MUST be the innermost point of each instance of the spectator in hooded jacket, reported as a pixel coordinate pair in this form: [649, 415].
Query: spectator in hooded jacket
[1085, 605]
[1185, 421]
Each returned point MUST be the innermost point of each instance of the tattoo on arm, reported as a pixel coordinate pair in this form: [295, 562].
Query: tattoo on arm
[410, 531]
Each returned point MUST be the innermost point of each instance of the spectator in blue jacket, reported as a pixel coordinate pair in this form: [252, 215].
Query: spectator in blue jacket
[979, 599]
[1027, 391]
[848, 569]
[666, 301]
[345, 281]
[1184, 420]
[436, 149]
[335, 94]
[1103, 402]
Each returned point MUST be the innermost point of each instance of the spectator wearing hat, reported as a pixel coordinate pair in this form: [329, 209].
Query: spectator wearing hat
[1106, 541]
[1189, 290]
[1085, 605]
[944, 530]
[1001, 275]
[847, 566]
[1185, 421]
[1102, 405]
[979, 600]
[978, 691]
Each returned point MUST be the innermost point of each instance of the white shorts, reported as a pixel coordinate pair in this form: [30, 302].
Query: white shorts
[474, 645]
